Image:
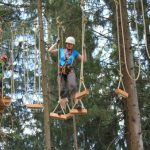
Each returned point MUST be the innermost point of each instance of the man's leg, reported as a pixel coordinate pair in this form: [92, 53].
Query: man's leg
[63, 91]
[63, 86]
[72, 84]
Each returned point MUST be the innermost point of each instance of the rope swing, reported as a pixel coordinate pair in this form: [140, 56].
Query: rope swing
[84, 92]
[119, 91]
[124, 48]
[62, 103]
[37, 104]
[5, 101]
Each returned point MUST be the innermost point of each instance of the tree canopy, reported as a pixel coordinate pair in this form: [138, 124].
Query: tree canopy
[105, 127]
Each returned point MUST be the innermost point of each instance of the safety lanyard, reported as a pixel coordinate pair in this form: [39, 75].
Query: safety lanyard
[67, 54]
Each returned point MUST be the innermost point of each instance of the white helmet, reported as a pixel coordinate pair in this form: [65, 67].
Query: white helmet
[70, 40]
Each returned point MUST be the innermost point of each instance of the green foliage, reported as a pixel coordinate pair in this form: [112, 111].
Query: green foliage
[100, 128]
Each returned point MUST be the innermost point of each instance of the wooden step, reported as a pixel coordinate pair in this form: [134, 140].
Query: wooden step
[5, 101]
[35, 106]
[81, 94]
[81, 111]
[61, 116]
[122, 93]
[1, 110]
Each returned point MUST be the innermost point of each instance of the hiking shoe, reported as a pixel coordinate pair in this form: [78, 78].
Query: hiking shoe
[60, 112]
[78, 106]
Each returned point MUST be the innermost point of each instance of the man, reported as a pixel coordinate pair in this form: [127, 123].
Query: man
[67, 56]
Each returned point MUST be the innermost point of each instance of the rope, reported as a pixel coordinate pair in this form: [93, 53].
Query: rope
[12, 59]
[144, 23]
[58, 46]
[35, 62]
[25, 66]
[138, 39]
[120, 68]
[35, 68]
[84, 20]
[62, 32]
[124, 48]
[39, 66]
[1, 38]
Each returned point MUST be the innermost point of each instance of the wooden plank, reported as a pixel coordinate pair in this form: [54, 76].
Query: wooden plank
[61, 116]
[1, 110]
[5, 101]
[35, 106]
[69, 115]
[79, 95]
[122, 93]
[82, 111]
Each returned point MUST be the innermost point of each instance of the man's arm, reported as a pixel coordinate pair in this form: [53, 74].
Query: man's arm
[83, 56]
[53, 49]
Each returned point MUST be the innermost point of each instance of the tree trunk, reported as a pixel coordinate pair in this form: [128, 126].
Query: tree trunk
[44, 81]
[135, 141]
[75, 134]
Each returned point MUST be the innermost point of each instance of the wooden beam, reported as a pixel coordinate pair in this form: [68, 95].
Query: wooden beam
[122, 93]
[79, 95]
[81, 111]
[61, 116]
[5, 101]
[35, 106]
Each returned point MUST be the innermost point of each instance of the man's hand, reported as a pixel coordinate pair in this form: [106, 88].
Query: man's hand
[84, 46]
[57, 41]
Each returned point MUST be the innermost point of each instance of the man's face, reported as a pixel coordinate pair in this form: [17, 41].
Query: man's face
[69, 46]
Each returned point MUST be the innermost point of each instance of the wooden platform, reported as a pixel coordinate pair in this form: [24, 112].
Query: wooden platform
[1, 110]
[61, 116]
[35, 106]
[81, 94]
[5, 101]
[122, 93]
[81, 111]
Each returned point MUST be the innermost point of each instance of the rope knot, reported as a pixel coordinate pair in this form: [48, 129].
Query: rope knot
[85, 19]
[82, 79]
[58, 22]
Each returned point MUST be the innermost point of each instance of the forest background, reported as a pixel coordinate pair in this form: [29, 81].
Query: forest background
[107, 126]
